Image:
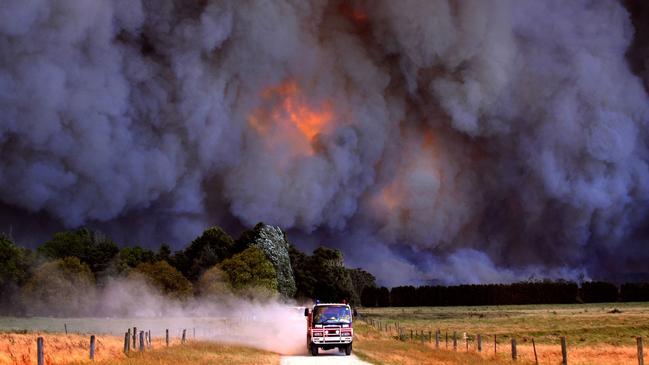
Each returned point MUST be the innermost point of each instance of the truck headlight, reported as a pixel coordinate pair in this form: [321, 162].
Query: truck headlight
[317, 334]
[347, 334]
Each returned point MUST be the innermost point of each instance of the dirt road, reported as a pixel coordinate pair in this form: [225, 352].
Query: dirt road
[331, 357]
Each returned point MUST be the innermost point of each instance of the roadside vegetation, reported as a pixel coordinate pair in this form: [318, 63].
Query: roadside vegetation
[61, 349]
[602, 333]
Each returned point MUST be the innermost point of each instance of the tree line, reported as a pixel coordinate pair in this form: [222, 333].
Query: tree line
[533, 292]
[261, 263]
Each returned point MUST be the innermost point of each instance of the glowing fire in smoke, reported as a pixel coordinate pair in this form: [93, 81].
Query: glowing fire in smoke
[285, 109]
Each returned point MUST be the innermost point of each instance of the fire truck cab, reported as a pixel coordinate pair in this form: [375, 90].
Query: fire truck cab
[329, 326]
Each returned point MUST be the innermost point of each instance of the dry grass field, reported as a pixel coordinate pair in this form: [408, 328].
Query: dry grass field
[20, 349]
[596, 333]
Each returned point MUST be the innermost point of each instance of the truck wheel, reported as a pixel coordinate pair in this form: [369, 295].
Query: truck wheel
[314, 350]
[348, 349]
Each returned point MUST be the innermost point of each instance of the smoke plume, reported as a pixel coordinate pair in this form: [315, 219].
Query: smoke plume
[429, 137]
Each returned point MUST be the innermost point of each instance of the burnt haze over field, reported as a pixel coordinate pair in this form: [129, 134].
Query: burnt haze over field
[457, 141]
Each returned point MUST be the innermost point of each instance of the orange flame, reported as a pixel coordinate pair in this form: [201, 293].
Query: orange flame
[308, 120]
[286, 115]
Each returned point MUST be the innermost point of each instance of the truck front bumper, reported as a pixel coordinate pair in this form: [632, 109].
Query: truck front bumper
[331, 340]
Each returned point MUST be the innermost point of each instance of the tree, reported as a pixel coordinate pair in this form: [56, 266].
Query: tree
[131, 257]
[250, 269]
[361, 280]
[60, 287]
[213, 283]
[273, 243]
[305, 281]
[15, 263]
[207, 250]
[598, 292]
[92, 248]
[165, 278]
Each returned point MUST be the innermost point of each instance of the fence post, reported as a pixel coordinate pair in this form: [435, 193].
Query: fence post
[150, 340]
[127, 341]
[479, 338]
[495, 346]
[411, 335]
[454, 340]
[564, 351]
[167, 336]
[141, 341]
[183, 339]
[514, 354]
[430, 336]
[92, 348]
[39, 351]
[446, 339]
[640, 352]
[194, 336]
[134, 338]
[437, 339]
[65, 325]
[536, 358]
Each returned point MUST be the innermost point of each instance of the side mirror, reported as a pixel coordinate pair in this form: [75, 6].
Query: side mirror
[306, 312]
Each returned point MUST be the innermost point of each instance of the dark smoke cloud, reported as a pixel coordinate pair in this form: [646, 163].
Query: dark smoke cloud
[503, 137]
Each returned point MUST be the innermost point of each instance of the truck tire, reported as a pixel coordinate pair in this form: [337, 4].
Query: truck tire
[314, 350]
[348, 349]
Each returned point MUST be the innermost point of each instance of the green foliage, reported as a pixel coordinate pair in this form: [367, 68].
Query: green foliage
[322, 276]
[213, 283]
[165, 278]
[61, 287]
[131, 257]
[361, 280]
[272, 241]
[15, 263]
[92, 248]
[164, 253]
[207, 250]
[250, 269]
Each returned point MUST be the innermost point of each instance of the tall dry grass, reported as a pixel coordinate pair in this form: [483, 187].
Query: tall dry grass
[59, 349]
[383, 348]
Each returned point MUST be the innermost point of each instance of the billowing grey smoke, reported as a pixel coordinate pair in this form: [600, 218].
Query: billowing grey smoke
[510, 135]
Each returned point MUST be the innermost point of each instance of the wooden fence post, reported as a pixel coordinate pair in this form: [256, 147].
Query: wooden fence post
[564, 351]
[40, 357]
[411, 335]
[183, 338]
[466, 340]
[454, 341]
[437, 335]
[446, 339]
[141, 341]
[65, 325]
[92, 348]
[495, 346]
[514, 354]
[430, 336]
[536, 358]
[134, 338]
[167, 336]
[127, 341]
[640, 352]
[479, 338]
[150, 340]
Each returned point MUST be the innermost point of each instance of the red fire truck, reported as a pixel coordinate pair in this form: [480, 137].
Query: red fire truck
[329, 326]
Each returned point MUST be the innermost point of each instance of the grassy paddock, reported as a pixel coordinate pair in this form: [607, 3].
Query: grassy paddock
[597, 333]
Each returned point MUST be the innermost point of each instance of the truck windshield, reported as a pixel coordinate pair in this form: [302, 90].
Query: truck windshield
[332, 314]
